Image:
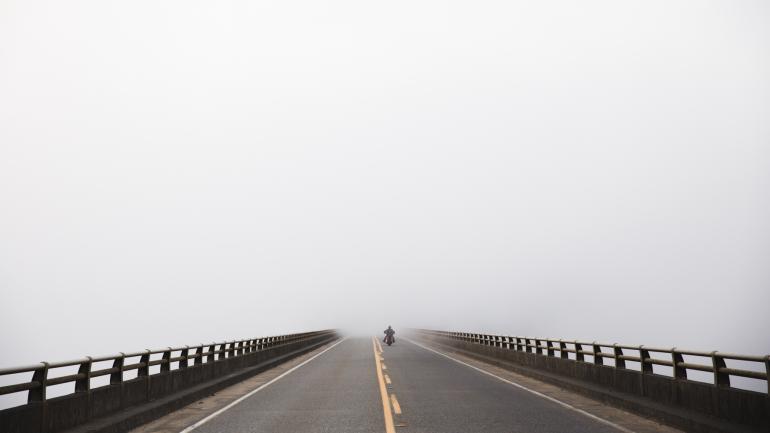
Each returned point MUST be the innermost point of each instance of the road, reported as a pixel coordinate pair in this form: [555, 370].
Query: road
[353, 387]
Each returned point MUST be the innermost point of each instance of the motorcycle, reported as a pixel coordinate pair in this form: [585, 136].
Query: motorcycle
[389, 340]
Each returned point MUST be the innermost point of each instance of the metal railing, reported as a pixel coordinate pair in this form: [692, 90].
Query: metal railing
[201, 354]
[601, 351]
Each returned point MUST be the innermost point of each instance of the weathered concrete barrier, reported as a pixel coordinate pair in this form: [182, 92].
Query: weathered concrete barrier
[125, 404]
[674, 400]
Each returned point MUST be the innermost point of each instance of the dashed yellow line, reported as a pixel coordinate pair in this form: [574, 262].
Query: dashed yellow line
[389, 427]
[387, 380]
[384, 367]
[379, 345]
[396, 406]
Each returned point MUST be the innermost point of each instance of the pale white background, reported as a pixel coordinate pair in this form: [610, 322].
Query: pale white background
[178, 172]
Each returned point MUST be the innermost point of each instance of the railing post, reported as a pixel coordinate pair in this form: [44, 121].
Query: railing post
[620, 363]
[221, 351]
[117, 376]
[644, 356]
[528, 344]
[199, 355]
[38, 395]
[183, 355]
[166, 364]
[40, 376]
[718, 362]
[519, 345]
[538, 348]
[144, 371]
[210, 357]
[676, 359]
[231, 350]
[84, 383]
[598, 359]
[550, 350]
[563, 350]
[579, 352]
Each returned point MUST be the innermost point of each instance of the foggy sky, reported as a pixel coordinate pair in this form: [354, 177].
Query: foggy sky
[181, 172]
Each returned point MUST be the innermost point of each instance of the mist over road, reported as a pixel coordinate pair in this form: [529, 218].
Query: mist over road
[188, 171]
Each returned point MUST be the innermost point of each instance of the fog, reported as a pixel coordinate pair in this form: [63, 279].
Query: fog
[181, 172]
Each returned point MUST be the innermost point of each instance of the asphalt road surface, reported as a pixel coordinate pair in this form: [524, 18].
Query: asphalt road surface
[359, 386]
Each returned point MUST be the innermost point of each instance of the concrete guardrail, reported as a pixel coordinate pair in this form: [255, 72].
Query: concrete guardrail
[184, 375]
[600, 371]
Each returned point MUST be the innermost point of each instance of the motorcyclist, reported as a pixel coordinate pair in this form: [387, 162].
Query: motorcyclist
[389, 333]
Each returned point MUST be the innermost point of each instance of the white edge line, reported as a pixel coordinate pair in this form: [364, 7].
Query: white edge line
[566, 405]
[263, 386]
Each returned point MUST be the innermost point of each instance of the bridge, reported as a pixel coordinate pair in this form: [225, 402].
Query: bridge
[428, 381]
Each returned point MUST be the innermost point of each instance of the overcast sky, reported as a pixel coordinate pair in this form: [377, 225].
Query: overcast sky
[179, 172]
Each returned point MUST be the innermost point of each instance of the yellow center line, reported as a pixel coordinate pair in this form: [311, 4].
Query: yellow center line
[384, 367]
[387, 379]
[396, 406]
[389, 427]
[379, 345]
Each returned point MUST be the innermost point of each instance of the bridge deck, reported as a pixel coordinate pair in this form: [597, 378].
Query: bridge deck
[339, 391]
